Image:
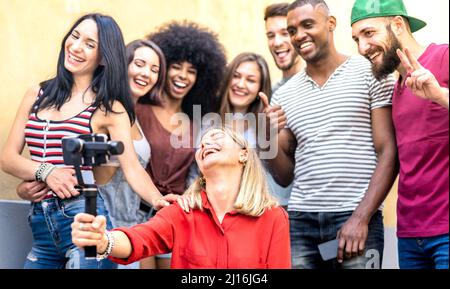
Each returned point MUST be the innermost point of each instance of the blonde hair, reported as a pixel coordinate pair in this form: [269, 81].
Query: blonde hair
[253, 197]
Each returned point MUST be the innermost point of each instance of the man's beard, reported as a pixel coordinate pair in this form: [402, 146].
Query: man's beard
[390, 60]
[289, 65]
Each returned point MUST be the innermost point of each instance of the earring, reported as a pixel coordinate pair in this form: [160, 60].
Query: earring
[202, 182]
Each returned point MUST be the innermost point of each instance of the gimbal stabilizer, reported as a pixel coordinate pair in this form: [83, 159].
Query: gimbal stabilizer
[89, 150]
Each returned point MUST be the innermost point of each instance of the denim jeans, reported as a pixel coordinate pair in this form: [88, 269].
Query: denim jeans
[308, 230]
[423, 253]
[50, 222]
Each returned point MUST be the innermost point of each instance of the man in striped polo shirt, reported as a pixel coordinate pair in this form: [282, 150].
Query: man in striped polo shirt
[341, 143]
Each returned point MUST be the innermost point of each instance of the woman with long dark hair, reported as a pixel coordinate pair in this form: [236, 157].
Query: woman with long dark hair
[246, 76]
[90, 94]
[146, 76]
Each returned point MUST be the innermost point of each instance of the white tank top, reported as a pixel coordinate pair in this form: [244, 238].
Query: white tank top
[141, 147]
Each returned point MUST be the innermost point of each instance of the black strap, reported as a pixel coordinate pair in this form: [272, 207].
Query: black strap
[144, 207]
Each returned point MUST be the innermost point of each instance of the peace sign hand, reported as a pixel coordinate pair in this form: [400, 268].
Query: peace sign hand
[420, 80]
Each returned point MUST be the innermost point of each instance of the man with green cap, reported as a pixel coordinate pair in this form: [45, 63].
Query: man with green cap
[383, 31]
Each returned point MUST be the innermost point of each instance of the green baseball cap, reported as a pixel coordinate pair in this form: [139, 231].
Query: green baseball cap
[363, 9]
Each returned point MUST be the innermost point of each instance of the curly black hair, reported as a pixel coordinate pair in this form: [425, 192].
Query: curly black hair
[187, 41]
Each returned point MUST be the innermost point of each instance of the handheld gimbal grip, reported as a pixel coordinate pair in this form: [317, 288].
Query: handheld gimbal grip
[89, 150]
[90, 194]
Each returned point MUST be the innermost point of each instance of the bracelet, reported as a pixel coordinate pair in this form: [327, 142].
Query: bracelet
[47, 172]
[44, 171]
[109, 248]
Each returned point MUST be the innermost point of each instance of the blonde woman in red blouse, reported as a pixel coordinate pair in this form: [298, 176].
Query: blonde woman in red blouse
[235, 222]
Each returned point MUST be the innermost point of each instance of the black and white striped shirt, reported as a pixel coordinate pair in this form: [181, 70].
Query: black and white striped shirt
[335, 157]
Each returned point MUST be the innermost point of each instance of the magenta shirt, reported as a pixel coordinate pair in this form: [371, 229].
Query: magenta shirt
[422, 130]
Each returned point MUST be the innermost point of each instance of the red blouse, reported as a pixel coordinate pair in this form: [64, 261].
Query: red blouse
[198, 240]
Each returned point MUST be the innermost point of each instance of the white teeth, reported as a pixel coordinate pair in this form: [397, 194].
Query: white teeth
[141, 82]
[282, 54]
[180, 84]
[238, 92]
[208, 152]
[373, 56]
[75, 58]
[282, 51]
[306, 44]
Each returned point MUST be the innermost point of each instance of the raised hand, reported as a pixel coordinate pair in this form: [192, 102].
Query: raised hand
[420, 80]
[274, 114]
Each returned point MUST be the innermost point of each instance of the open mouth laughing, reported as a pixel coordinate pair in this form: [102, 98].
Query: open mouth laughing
[209, 151]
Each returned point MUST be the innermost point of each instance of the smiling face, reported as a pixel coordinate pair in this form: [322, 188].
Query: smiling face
[244, 86]
[377, 42]
[143, 71]
[219, 150]
[279, 43]
[181, 77]
[82, 49]
[310, 30]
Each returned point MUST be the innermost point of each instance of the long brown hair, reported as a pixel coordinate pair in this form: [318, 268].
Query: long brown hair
[154, 95]
[264, 85]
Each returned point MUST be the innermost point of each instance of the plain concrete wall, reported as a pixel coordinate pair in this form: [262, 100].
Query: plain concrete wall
[15, 234]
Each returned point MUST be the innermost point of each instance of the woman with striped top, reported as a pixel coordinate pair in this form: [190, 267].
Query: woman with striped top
[90, 94]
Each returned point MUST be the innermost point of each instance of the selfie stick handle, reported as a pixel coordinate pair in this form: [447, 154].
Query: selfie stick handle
[89, 192]
[90, 195]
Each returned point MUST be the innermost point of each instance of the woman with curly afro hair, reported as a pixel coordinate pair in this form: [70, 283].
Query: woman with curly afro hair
[188, 42]
[195, 62]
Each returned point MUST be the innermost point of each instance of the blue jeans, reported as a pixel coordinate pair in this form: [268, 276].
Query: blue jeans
[423, 253]
[50, 222]
[308, 230]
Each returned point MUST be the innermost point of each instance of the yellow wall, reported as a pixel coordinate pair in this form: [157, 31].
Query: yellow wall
[31, 32]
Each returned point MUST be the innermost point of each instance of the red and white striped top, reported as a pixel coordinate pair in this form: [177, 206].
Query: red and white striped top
[44, 137]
